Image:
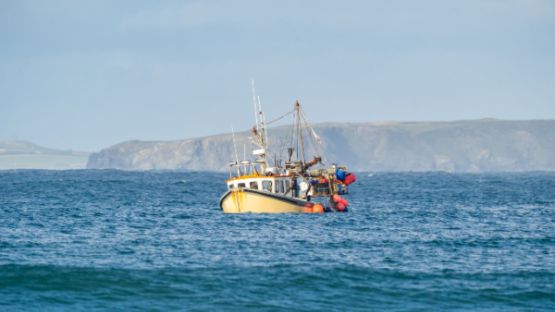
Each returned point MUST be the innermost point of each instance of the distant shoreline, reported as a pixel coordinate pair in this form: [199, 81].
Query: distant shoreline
[484, 145]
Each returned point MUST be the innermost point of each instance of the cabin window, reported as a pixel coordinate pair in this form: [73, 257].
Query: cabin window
[231, 186]
[287, 185]
[279, 187]
[241, 185]
[254, 185]
[267, 185]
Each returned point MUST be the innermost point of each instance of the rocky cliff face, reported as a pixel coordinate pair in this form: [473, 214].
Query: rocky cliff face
[458, 146]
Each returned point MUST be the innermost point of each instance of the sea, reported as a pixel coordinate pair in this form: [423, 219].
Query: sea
[108, 240]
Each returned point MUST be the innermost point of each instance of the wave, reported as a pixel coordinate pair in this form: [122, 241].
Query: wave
[274, 287]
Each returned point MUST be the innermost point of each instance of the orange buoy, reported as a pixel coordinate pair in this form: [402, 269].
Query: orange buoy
[317, 208]
[340, 206]
[307, 208]
[336, 198]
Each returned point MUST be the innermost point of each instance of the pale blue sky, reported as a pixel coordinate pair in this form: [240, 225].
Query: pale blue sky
[88, 74]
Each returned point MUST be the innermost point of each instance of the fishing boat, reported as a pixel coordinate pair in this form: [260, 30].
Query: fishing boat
[297, 186]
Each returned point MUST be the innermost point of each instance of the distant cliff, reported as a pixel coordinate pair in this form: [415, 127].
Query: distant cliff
[26, 155]
[458, 146]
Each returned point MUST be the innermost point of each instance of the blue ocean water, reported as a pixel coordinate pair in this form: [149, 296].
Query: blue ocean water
[111, 240]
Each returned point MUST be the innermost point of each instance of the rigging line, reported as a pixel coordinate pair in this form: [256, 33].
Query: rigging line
[313, 142]
[279, 118]
[309, 126]
[314, 135]
[315, 138]
[301, 140]
[317, 141]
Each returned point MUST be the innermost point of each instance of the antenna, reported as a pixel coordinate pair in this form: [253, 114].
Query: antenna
[262, 122]
[235, 149]
[254, 103]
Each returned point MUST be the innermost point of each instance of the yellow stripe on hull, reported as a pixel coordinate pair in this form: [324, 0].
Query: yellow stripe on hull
[241, 201]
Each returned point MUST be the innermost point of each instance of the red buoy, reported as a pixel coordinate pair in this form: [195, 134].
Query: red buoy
[350, 178]
[340, 207]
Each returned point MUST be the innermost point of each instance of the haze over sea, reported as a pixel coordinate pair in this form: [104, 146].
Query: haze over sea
[103, 239]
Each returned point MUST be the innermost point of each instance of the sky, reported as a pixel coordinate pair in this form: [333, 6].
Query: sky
[84, 75]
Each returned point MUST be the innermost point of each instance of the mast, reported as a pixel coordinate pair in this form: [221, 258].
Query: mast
[254, 103]
[299, 132]
[235, 149]
[259, 131]
[262, 121]
[298, 139]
